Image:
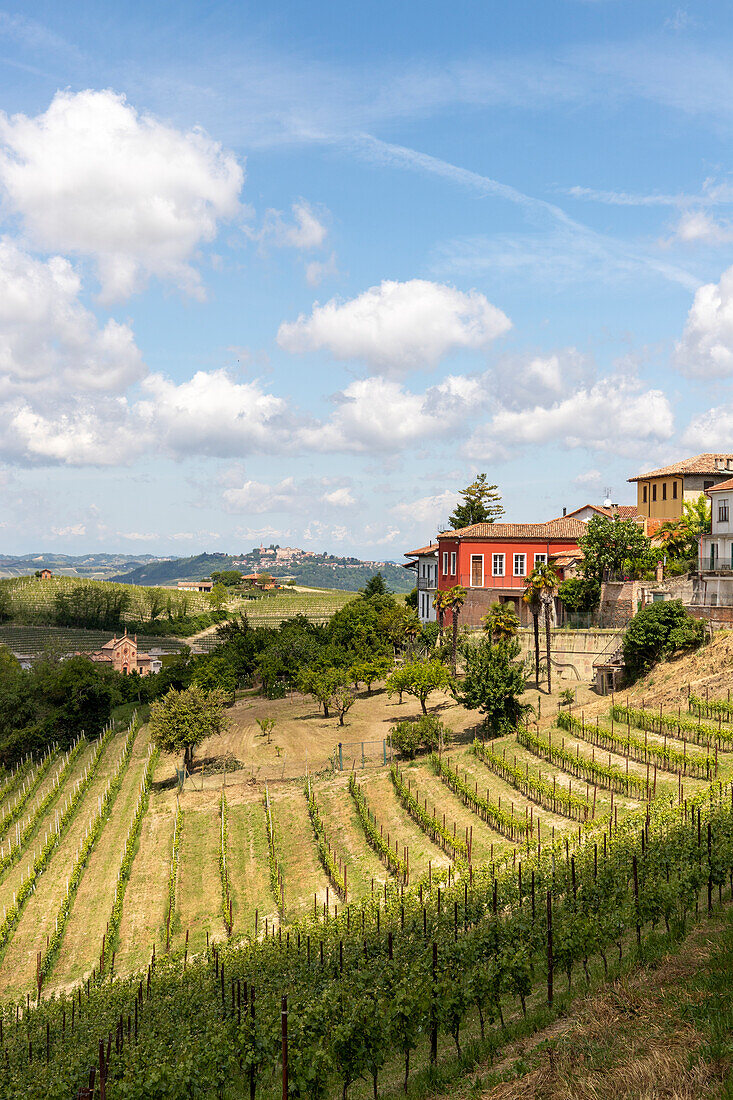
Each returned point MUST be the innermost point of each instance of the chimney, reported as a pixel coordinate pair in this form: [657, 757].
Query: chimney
[564, 511]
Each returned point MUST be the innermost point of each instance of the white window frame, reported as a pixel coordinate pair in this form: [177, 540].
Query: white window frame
[445, 563]
[476, 557]
[723, 512]
[523, 571]
[498, 560]
[540, 559]
[453, 560]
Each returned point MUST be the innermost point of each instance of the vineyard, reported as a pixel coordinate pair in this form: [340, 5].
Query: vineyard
[350, 930]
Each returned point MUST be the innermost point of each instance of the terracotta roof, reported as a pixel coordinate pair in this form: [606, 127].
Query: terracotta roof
[728, 485]
[431, 549]
[698, 464]
[564, 528]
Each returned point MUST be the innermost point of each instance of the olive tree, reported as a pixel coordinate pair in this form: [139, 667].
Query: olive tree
[181, 720]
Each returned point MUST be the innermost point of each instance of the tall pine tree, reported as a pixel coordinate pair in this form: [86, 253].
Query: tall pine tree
[481, 504]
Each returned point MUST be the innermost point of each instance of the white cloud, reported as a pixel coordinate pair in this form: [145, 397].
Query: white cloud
[305, 232]
[427, 511]
[706, 347]
[711, 430]
[91, 176]
[600, 418]
[591, 478]
[339, 498]
[378, 414]
[316, 271]
[48, 338]
[211, 414]
[75, 530]
[258, 497]
[699, 227]
[139, 536]
[396, 327]
[85, 435]
[319, 532]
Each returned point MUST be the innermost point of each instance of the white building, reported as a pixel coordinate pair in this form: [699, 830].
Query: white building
[425, 563]
[716, 549]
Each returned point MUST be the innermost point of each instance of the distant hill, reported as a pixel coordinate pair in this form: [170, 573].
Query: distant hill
[315, 570]
[98, 566]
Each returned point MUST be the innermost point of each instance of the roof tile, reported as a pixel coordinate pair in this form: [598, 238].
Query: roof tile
[555, 529]
[698, 464]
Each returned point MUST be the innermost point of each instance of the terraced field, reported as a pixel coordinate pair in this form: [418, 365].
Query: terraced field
[173, 896]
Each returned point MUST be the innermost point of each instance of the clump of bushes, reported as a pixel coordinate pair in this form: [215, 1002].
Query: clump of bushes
[656, 633]
[426, 733]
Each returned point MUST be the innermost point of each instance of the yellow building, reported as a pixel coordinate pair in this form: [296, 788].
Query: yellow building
[660, 493]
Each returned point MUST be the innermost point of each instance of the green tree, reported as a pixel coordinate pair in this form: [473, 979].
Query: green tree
[215, 673]
[579, 594]
[615, 546]
[657, 632]
[420, 679]
[230, 578]
[440, 605]
[343, 701]
[680, 537]
[375, 586]
[501, 623]
[322, 684]
[546, 583]
[455, 598]
[481, 503]
[182, 720]
[531, 598]
[218, 597]
[266, 725]
[411, 599]
[493, 684]
[6, 609]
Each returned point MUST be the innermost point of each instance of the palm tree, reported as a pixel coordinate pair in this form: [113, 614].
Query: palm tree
[440, 605]
[546, 583]
[531, 597]
[455, 598]
[501, 622]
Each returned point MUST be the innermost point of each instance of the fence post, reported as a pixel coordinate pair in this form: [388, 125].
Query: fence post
[341, 757]
[384, 750]
[549, 948]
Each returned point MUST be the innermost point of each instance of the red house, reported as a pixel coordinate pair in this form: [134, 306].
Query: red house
[491, 561]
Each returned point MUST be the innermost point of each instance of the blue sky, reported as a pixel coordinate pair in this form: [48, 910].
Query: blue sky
[297, 273]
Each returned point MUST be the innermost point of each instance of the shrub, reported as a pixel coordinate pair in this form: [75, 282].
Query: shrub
[657, 632]
[427, 732]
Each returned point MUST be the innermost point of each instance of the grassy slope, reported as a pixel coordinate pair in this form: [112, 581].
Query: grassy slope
[390, 815]
[199, 882]
[18, 966]
[347, 836]
[248, 869]
[93, 903]
[304, 876]
[144, 910]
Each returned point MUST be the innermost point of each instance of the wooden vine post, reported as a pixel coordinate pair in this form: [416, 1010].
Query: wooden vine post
[550, 961]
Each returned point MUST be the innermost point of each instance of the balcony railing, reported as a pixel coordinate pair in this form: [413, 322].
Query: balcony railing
[426, 584]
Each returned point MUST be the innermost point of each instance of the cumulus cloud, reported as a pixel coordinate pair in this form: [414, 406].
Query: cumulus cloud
[91, 176]
[699, 227]
[74, 530]
[211, 414]
[706, 347]
[339, 498]
[288, 495]
[711, 430]
[397, 327]
[428, 511]
[379, 414]
[612, 411]
[316, 271]
[591, 479]
[47, 336]
[85, 435]
[306, 231]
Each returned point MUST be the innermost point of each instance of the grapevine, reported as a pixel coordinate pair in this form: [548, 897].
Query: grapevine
[549, 795]
[429, 823]
[277, 881]
[514, 828]
[664, 757]
[711, 708]
[173, 872]
[682, 729]
[603, 775]
[326, 854]
[374, 833]
[16, 810]
[226, 901]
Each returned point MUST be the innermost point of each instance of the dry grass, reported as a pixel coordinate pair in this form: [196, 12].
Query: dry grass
[199, 882]
[630, 1040]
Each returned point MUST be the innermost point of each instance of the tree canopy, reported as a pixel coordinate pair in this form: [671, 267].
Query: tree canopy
[493, 683]
[181, 720]
[615, 546]
[680, 537]
[420, 679]
[657, 632]
[480, 503]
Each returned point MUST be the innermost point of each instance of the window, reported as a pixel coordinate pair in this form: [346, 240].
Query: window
[540, 559]
[497, 565]
[453, 564]
[520, 565]
[664, 491]
[445, 565]
[477, 570]
[675, 485]
[654, 492]
[644, 494]
[722, 511]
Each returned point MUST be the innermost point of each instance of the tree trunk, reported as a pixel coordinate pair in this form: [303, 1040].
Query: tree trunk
[454, 643]
[536, 625]
[424, 708]
[547, 644]
[325, 710]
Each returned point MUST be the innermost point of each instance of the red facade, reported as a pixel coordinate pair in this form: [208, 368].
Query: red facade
[492, 560]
